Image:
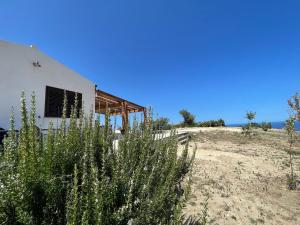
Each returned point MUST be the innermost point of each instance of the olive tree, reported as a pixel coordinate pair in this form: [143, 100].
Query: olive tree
[188, 118]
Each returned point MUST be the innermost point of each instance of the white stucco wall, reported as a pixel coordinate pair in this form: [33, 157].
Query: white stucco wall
[17, 73]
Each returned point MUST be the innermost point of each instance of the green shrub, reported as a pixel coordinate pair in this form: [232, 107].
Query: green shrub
[162, 123]
[76, 176]
[212, 123]
[265, 126]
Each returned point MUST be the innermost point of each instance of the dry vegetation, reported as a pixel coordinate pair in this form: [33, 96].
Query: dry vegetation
[246, 178]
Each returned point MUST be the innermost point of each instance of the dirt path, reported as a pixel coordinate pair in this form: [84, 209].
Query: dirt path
[245, 179]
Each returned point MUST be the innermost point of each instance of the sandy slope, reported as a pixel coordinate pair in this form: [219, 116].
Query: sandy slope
[245, 178]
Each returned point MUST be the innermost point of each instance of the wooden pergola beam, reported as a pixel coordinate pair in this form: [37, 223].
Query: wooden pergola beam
[112, 107]
[116, 106]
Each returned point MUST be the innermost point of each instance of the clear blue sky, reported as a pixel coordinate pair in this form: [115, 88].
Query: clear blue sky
[217, 59]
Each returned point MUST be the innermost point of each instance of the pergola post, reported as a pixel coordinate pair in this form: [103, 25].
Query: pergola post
[124, 115]
[145, 116]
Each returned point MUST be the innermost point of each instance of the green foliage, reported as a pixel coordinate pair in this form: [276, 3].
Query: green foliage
[265, 126]
[75, 175]
[162, 123]
[188, 118]
[247, 130]
[212, 123]
[250, 116]
[291, 132]
[294, 103]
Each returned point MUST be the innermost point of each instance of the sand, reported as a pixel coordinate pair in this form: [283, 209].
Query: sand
[245, 178]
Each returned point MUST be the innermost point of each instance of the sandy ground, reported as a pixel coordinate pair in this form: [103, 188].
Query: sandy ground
[244, 178]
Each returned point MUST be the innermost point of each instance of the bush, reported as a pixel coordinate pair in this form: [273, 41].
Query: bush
[212, 123]
[188, 118]
[162, 123]
[76, 176]
[266, 126]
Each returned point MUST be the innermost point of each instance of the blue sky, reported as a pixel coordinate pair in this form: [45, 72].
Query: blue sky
[217, 59]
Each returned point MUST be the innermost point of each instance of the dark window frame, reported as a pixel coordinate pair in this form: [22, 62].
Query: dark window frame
[54, 98]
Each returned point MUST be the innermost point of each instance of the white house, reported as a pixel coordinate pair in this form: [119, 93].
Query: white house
[25, 68]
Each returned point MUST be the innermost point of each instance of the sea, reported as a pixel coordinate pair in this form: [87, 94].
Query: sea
[277, 125]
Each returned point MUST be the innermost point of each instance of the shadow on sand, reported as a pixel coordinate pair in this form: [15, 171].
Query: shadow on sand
[191, 221]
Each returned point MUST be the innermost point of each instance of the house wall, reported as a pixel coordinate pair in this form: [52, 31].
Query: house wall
[17, 73]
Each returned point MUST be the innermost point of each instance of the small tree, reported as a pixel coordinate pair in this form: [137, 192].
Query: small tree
[290, 129]
[248, 129]
[188, 118]
[221, 123]
[250, 116]
[294, 103]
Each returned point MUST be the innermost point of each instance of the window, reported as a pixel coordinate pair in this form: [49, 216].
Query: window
[55, 99]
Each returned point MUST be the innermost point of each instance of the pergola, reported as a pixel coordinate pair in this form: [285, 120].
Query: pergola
[105, 102]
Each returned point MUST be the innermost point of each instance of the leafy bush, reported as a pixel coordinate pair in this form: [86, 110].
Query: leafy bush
[212, 123]
[188, 118]
[266, 126]
[162, 123]
[75, 175]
